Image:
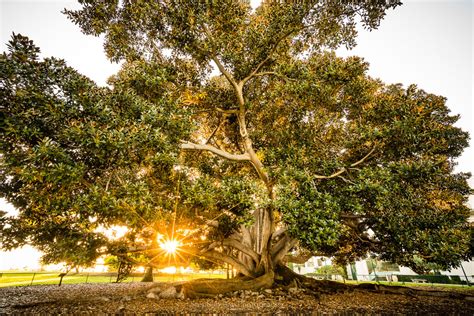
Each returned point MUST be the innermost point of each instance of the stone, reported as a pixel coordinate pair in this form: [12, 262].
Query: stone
[293, 290]
[104, 299]
[158, 289]
[151, 295]
[168, 293]
[181, 295]
[268, 291]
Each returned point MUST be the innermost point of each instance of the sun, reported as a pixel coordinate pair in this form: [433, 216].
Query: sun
[170, 246]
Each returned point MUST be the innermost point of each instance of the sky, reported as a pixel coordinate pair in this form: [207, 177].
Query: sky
[426, 42]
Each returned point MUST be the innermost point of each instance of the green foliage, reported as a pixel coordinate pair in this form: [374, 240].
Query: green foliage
[112, 263]
[76, 157]
[331, 269]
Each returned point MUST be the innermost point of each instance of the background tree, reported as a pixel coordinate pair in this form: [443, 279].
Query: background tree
[289, 147]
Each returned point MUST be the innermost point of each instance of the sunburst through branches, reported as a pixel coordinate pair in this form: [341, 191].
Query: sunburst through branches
[170, 246]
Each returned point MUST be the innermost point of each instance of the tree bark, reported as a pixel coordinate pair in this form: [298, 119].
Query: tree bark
[209, 288]
[148, 277]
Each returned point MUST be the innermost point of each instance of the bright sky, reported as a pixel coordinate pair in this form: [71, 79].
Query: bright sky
[427, 42]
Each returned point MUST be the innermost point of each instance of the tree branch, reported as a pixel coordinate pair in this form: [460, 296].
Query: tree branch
[217, 256]
[214, 150]
[282, 248]
[241, 247]
[331, 176]
[344, 169]
[269, 73]
[279, 233]
[270, 54]
[363, 158]
[224, 71]
[214, 132]
[259, 66]
[230, 111]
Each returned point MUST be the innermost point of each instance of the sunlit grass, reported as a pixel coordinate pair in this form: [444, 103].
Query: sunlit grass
[26, 279]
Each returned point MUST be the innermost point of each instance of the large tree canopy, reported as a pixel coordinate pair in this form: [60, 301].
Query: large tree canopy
[289, 148]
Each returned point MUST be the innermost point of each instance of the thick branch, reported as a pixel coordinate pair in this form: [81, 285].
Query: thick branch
[241, 247]
[224, 71]
[214, 150]
[230, 111]
[279, 233]
[217, 256]
[278, 254]
[234, 243]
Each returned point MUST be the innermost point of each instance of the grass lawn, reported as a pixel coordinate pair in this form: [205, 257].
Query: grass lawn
[30, 278]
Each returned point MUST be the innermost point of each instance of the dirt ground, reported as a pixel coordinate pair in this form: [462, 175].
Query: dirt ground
[131, 299]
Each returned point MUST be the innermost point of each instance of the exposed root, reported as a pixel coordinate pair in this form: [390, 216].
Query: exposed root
[207, 288]
[285, 280]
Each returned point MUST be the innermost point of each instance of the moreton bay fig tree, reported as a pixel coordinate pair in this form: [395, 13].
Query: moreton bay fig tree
[287, 150]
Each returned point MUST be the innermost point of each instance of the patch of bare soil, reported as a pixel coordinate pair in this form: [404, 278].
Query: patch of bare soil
[131, 298]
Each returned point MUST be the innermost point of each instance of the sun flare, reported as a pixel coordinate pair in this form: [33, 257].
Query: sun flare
[170, 246]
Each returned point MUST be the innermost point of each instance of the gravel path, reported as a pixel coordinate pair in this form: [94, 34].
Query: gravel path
[130, 298]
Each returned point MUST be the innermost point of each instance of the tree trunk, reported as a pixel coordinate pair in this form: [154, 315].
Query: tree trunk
[148, 277]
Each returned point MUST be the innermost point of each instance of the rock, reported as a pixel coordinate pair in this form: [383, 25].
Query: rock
[104, 299]
[126, 298]
[268, 291]
[261, 296]
[181, 295]
[293, 290]
[152, 295]
[158, 289]
[168, 293]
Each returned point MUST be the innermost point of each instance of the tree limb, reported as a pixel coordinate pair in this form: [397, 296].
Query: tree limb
[214, 132]
[279, 233]
[278, 254]
[241, 247]
[214, 150]
[217, 256]
[331, 176]
[224, 71]
[363, 158]
[230, 111]
[269, 73]
[270, 54]
[344, 169]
